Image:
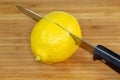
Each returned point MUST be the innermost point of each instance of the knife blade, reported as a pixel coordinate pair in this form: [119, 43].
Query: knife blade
[29, 13]
[84, 44]
[100, 52]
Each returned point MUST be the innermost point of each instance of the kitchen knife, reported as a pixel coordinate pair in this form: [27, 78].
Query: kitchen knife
[100, 52]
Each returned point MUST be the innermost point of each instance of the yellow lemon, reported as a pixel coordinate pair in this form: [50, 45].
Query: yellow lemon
[49, 42]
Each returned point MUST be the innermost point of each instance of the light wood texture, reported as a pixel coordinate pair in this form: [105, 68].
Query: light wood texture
[100, 24]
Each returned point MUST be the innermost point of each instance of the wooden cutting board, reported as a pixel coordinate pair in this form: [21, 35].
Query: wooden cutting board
[100, 24]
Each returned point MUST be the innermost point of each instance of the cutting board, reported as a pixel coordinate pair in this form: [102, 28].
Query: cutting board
[100, 24]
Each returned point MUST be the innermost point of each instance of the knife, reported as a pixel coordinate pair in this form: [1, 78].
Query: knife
[99, 52]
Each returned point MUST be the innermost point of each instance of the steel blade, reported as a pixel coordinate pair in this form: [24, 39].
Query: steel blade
[29, 13]
[79, 41]
[83, 43]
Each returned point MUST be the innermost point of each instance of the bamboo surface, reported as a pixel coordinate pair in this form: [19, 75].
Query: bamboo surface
[100, 24]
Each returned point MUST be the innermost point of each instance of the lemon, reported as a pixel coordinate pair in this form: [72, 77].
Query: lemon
[49, 42]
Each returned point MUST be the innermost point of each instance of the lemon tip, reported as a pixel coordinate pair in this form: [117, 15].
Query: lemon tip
[38, 58]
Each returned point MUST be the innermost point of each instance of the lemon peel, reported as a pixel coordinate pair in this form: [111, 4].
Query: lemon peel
[49, 42]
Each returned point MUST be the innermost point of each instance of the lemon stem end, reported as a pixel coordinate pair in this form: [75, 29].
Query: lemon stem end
[38, 58]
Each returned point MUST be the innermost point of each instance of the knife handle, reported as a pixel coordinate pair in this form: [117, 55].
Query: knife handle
[108, 57]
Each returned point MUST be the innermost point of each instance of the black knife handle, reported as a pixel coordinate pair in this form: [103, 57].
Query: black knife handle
[108, 57]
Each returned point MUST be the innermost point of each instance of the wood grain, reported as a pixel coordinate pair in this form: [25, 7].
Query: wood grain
[100, 24]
